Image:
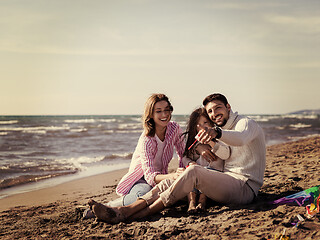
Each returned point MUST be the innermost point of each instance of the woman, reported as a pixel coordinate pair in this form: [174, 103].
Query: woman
[154, 151]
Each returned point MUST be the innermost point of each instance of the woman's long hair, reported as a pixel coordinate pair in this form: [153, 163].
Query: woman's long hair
[191, 130]
[147, 118]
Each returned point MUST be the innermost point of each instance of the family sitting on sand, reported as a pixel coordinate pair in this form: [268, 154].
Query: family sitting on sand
[223, 158]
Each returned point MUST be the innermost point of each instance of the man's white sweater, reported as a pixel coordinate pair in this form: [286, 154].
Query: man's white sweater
[248, 150]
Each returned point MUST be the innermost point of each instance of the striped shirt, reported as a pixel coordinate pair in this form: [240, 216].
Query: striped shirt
[142, 163]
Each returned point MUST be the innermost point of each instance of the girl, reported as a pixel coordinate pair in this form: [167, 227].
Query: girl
[199, 119]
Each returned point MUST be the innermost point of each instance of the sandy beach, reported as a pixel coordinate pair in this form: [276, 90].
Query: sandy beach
[56, 212]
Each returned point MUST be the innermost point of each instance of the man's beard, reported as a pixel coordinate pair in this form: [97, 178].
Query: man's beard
[223, 123]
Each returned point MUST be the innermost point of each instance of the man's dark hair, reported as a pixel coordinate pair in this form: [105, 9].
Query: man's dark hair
[215, 96]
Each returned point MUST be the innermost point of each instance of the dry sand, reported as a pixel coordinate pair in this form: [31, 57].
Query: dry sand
[56, 212]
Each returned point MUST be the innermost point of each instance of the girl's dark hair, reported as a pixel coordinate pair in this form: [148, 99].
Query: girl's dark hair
[215, 96]
[147, 118]
[191, 130]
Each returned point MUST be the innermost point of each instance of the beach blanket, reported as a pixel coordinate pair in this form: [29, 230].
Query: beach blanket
[302, 198]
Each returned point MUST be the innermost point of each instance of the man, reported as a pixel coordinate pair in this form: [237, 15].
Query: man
[238, 184]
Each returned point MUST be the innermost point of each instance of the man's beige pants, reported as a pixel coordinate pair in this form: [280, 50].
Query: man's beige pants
[216, 185]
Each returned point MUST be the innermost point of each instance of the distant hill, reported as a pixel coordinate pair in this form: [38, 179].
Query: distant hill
[307, 111]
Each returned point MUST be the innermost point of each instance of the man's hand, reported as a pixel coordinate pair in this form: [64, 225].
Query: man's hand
[180, 170]
[192, 163]
[205, 151]
[205, 135]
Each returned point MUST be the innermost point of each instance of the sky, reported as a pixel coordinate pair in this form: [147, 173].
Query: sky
[108, 56]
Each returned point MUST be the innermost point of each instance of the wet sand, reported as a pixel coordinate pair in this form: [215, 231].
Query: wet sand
[56, 212]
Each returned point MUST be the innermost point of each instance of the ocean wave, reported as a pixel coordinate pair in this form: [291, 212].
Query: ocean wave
[129, 126]
[76, 130]
[9, 122]
[300, 125]
[129, 131]
[107, 120]
[80, 121]
[267, 118]
[31, 168]
[29, 171]
[108, 131]
[263, 118]
[23, 179]
[73, 164]
[136, 119]
[32, 154]
[119, 155]
[300, 116]
[122, 131]
[75, 161]
[303, 137]
[90, 120]
[36, 130]
[79, 163]
[182, 124]
[3, 133]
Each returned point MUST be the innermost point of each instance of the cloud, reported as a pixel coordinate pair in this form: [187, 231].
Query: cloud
[242, 5]
[301, 24]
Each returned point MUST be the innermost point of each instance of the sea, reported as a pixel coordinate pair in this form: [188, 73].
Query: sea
[42, 151]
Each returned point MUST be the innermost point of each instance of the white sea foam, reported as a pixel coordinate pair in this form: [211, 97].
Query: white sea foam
[80, 121]
[89, 120]
[38, 130]
[3, 133]
[84, 162]
[79, 163]
[78, 130]
[35, 131]
[9, 122]
[182, 124]
[107, 120]
[131, 126]
[300, 125]
[300, 116]
[260, 118]
[137, 119]
[84, 159]
[122, 155]
[108, 131]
